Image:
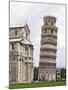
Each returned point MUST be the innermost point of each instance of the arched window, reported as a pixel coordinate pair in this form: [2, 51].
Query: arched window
[16, 32]
[26, 48]
[12, 45]
[45, 31]
[46, 23]
[51, 23]
[51, 31]
[26, 35]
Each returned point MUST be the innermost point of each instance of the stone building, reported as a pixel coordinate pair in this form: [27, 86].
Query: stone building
[47, 65]
[20, 55]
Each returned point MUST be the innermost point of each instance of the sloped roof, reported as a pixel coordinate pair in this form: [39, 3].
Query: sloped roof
[17, 39]
[20, 26]
[22, 40]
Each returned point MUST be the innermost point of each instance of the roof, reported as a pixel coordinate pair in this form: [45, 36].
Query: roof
[19, 26]
[17, 39]
[22, 40]
[13, 27]
[50, 17]
[46, 18]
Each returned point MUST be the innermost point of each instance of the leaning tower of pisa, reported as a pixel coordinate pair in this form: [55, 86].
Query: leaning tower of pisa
[47, 64]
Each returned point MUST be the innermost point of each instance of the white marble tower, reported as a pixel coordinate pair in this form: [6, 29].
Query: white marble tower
[47, 65]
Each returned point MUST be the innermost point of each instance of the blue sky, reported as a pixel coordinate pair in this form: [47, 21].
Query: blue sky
[33, 14]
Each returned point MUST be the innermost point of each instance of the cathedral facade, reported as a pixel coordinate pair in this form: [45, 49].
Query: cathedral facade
[48, 49]
[20, 55]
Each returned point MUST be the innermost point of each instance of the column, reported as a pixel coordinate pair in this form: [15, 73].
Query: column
[19, 72]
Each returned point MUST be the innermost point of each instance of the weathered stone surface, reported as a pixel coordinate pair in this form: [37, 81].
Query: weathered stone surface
[47, 65]
[20, 55]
